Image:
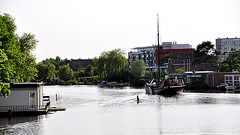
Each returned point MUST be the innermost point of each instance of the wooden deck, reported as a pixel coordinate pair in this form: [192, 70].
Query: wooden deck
[57, 109]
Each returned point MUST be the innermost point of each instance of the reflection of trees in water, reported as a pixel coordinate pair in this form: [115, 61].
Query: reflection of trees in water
[207, 100]
[21, 125]
[16, 120]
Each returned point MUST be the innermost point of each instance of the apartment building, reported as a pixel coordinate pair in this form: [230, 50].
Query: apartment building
[226, 46]
[148, 53]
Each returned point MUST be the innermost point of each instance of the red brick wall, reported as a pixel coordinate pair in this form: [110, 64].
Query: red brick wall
[164, 52]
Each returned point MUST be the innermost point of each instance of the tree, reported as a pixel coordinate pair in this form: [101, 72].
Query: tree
[89, 70]
[65, 73]
[108, 64]
[4, 88]
[155, 74]
[26, 64]
[8, 46]
[180, 70]
[232, 63]
[57, 62]
[46, 72]
[21, 63]
[205, 53]
[138, 68]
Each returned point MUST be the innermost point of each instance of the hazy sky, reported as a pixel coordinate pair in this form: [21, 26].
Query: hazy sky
[85, 28]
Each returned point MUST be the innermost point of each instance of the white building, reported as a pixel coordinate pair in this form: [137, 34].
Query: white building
[25, 98]
[226, 45]
[174, 45]
[148, 53]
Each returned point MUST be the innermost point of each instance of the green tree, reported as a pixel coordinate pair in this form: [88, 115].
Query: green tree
[138, 68]
[8, 46]
[57, 62]
[155, 74]
[205, 53]
[21, 63]
[232, 63]
[4, 88]
[3, 58]
[26, 69]
[81, 73]
[45, 72]
[180, 70]
[89, 70]
[65, 73]
[108, 64]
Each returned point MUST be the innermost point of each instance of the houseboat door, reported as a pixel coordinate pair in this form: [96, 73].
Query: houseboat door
[32, 101]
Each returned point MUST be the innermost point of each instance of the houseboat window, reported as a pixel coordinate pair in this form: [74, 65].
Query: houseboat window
[32, 100]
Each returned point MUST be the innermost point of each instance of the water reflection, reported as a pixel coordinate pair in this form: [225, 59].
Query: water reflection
[21, 125]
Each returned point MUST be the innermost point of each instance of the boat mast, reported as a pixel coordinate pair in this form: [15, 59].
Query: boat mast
[158, 48]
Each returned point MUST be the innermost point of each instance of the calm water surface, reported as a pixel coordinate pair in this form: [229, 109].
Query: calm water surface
[105, 111]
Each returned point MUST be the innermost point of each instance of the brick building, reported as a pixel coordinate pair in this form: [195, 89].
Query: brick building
[212, 79]
[79, 64]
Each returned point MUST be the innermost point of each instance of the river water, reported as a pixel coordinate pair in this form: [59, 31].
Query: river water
[92, 110]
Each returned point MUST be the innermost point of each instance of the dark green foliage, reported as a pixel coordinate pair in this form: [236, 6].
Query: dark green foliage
[45, 72]
[162, 74]
[89, 70]
[180, 70]
[141, 82]
[65, 73]
[95, 79]
[205, 53]
[57, 62]
[232, 63]
[4, 90]
[138, 68]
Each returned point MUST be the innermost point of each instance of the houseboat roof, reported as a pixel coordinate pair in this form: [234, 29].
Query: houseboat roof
[199, 72]
[21, 85]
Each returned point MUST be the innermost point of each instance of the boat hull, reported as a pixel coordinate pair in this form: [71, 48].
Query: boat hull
[171, 90]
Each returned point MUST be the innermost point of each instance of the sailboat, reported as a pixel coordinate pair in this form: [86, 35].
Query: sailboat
[156, 86]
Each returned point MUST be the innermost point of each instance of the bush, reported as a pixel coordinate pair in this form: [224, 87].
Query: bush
[95, 79]
[63, 82]
[72, 82]
[141, 82]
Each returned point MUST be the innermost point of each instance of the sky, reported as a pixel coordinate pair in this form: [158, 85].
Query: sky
[84, 29]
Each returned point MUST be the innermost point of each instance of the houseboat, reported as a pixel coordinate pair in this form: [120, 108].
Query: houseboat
[25, 99]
